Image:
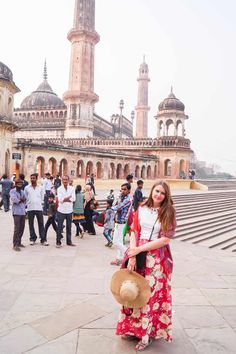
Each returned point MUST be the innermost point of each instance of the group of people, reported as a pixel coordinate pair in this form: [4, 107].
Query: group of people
[57, 199]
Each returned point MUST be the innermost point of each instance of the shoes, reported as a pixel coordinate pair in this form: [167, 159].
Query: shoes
[109, 244]
[71, 244]
[44, 243]
[32, 243]
[142, 346]
[82, 234]
[92, 233]
[76, 235]
[22, 246]
[58, 245]
[117, 262]
[16, 248]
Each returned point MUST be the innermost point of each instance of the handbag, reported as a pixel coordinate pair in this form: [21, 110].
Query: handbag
[140, 258]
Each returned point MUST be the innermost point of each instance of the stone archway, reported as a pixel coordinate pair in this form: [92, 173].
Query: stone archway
[63, 169]
[149, 172]
[143, 172]
[119, 171]
[112, 171]
[99, 170]
[126, 170]
[89, 168]
[80, 169]
[52, 164]
[167, 168]
[137, 172]
[155, 171]
[40, 166]
[182, 169]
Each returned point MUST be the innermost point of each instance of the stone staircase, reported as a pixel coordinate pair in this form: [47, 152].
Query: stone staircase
[219, 184]
[208, 219]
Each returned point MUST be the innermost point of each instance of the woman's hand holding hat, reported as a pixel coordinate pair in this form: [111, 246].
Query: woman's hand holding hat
[131, 264]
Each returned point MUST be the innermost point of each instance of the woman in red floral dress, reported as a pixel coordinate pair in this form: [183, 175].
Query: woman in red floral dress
[155, 218]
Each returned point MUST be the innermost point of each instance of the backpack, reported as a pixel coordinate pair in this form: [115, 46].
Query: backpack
[100, 219]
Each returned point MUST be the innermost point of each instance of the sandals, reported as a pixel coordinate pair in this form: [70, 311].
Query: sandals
[142, 346]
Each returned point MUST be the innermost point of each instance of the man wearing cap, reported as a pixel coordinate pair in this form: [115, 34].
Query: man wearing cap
[18, 200]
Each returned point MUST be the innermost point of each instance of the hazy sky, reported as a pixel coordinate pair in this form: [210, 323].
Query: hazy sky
[190, 44]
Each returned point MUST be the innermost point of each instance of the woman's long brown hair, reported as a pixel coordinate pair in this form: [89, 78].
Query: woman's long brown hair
[166, 212]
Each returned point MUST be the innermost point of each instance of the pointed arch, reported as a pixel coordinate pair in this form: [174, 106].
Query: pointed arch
[137, 172]
[99, 170]
[167, 168]
[149, 172]
[119, 171]
[63, 169]
[89, 168]
[52, 164]
[80, 169]
[40, 166]
[143, 172]
[112, 174]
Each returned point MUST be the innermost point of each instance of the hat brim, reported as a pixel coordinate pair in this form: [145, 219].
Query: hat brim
[144, 289]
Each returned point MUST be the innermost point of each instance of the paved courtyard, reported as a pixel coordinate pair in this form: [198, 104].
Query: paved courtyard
[57, 301]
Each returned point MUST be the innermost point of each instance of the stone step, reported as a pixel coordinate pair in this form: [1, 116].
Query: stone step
[197, 235]
[189, 214]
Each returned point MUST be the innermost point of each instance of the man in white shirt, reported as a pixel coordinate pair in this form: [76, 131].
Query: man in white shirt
[66, 197]
[34, 201]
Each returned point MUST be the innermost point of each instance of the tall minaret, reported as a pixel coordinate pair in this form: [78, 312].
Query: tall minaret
[142, 104]
[80, 97]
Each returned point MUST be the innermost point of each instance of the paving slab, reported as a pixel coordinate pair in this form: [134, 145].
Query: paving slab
[19, 340]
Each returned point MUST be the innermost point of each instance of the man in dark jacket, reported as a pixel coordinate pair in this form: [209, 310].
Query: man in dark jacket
[138, 195]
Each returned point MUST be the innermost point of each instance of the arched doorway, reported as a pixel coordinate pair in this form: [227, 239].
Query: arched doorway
[143, 172]
[99, 170]
[63, 169]
[167, 168]
[149, 172]
[112, 174]
[182, 173]
[137, 172]
[126, 170]
[7, 162]
[40, 166]
[119, 172]
[80, 169]
[89, 168]
[155, 171]
[52, 166]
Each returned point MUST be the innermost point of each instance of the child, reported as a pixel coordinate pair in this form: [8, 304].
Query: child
[111, 195]
[109, 223]
[52, 210]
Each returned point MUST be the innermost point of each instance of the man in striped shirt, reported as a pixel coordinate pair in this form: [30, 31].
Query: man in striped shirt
[122, 210]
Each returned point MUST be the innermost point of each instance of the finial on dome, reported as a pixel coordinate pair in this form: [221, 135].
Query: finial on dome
[45, 75]
[144, 58]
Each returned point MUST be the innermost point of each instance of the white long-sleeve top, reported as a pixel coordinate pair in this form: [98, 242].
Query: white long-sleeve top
[34, 197]
[65, 207]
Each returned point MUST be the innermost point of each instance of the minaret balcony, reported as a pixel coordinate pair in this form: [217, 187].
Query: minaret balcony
[83, 35]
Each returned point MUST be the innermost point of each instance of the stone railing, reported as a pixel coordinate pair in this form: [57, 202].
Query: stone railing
[163, 142]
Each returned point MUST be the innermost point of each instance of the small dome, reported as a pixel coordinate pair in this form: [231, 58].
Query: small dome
[5, 72]
[171, 103]
[42, 97]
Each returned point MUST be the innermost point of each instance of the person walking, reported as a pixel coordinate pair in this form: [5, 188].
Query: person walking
[122, 209]
[34, 200]
[108, 223]
[18, 200]
[66, 198]
[138, 195]
[78, 211]
[154, 225]
[7, 185]
[47, 189]
[52, 211]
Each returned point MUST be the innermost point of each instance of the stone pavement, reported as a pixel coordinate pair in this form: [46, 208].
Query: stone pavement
[57, 301]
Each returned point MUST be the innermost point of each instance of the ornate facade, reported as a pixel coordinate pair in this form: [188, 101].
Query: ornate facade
[67, 136]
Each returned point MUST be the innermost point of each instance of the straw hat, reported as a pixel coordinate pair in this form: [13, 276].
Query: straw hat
[130, 289]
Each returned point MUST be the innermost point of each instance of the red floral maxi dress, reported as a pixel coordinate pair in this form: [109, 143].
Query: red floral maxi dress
[155, 318]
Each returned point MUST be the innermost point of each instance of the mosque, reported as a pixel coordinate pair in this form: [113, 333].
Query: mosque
[66, 135]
